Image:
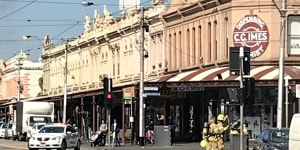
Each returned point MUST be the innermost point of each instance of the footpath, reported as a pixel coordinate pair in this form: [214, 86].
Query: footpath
[177, 146]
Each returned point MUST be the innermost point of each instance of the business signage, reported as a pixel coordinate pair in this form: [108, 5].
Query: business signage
[187, 88]
[251, 31]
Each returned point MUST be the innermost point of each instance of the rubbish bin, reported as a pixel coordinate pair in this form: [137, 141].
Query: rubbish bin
[235, 142]
[162, 136]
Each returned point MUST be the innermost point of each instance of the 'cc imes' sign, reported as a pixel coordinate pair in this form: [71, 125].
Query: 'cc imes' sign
[252, 32]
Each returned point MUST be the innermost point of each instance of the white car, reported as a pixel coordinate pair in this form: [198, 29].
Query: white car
[2, 129]
[35, 128]
[9, 130]
[55, 136]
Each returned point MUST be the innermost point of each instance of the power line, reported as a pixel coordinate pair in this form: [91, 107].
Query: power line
[15, 11]
[39, 25]
[66, 30]
[41, 20]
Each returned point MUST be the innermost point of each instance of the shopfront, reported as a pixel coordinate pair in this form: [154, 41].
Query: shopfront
[192, 97]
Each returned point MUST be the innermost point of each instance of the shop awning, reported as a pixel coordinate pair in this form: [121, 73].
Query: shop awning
[222, 73]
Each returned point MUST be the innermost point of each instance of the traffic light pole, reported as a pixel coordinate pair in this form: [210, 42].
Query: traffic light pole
[281, 64]
[242, 99]
[108, 128]
[107, 88]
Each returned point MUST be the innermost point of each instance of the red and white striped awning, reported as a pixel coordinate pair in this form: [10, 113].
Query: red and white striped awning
[211, 74]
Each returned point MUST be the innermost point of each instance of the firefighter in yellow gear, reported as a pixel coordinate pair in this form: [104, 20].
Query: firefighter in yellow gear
[235, 128]
[222, 126]
[209, 136]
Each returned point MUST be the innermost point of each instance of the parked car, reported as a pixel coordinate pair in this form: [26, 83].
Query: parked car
[273, 139]
[9, 131]
[55, 136]
[35, 128]
[2, 130]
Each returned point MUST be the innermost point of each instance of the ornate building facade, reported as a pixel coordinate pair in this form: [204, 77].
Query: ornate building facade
[108, 47]
[19, 69]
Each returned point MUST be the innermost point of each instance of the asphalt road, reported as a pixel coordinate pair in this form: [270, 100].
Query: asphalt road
[17, 145]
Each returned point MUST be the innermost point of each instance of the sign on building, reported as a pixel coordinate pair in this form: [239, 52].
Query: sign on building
[251, 31]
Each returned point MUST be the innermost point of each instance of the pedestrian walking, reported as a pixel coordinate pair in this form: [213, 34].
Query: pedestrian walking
[173, 125]
[116, 130]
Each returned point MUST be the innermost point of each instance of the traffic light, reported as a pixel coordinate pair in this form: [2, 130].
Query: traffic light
[107, 85]
[249, 88]
[107, 90]
[109, 100]
[246, 61]
[234, 62]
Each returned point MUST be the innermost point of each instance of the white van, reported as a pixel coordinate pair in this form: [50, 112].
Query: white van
[294, 139]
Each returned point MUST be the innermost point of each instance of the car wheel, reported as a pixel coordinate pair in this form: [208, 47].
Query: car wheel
[78, 145]
[20, 137]
[14, 138]
[63, 146]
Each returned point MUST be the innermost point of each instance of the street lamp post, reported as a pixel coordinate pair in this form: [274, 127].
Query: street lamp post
[26, 37]
[65, 84]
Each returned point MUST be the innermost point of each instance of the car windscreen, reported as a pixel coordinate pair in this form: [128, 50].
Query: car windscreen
[4, 126]
[279, 136]
[52, 129]
[40, 126]
[10, 126]
[39, 119]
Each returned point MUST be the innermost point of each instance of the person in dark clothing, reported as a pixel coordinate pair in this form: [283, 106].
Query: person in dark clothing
[116, 136]
[173, 125]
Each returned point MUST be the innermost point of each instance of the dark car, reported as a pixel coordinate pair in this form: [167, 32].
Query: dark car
[273, 139]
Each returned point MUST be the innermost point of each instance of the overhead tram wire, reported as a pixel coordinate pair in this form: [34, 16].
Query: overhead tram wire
[15, 11]
[72, 26]
[37, 25]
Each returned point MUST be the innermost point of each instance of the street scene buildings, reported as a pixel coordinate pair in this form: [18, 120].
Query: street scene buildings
[186, 66]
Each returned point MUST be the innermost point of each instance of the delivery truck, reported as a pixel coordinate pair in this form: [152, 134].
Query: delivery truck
[29, 113]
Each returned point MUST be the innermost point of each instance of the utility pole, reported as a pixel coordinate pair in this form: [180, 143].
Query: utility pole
[281, 63]
[65, 83]
[141, 92]
[20, 59]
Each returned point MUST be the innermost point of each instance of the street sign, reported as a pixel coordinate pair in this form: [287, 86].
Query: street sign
[153, 94]
[153, 88]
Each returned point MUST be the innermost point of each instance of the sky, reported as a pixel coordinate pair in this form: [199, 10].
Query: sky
[56, 18]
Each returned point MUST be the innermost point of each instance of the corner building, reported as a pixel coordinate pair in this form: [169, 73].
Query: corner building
[197, 84]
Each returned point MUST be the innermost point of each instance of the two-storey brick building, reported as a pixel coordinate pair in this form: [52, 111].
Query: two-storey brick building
[197, 82]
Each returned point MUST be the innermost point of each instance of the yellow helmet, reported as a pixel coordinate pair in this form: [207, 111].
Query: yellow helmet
[203, 143]
[221, 117]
